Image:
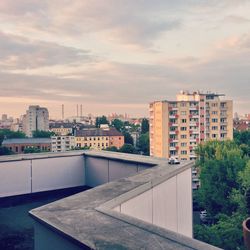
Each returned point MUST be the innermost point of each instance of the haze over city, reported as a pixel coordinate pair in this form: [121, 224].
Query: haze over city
[117, 56]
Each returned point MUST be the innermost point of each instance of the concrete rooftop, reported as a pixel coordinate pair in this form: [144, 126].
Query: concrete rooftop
[89, 220]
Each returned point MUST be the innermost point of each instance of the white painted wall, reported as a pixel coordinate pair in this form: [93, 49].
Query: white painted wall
[15, 178]
[103, 170]
[30, 176]
[44, 174]
[56, 173]
[168, 205]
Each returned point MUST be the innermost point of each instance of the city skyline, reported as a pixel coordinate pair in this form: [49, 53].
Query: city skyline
[117, 56]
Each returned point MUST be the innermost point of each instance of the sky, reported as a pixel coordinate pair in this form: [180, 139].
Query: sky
[116, 56]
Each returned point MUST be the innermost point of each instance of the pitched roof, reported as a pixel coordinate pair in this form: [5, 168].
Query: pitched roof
[98, 132]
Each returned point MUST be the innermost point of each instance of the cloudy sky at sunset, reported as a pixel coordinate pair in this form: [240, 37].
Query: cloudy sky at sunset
[118, 55]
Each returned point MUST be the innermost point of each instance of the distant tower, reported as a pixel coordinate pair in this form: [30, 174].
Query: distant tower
[81, 110]
[77, 113]
[62, 111]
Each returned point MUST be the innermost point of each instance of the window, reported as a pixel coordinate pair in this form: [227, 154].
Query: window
[214, 120]
[183, 104]
[214, 135]
[183, 120]
[183, 128]
[183, 144]
[183, 112]
[183, 152]
[214, 128]
[214, 112]
[183, 136]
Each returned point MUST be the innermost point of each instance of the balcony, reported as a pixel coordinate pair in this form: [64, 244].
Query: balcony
[123, 210]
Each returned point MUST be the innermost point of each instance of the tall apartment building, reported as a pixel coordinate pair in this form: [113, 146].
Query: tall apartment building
[177, 127]
[36, 118]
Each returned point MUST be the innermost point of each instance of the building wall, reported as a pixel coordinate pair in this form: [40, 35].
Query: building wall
[62, 143]
[158, 129]
[20, 147]
[167, 205]
[61, 131]
[102, 170]
[177, 127]
[116, 141]
[30, 176]
[37, 118]
[93, 142]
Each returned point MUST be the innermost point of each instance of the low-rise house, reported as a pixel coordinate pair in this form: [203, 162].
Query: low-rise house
[19, 145]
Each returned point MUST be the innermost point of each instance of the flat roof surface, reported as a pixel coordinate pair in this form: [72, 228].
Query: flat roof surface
[86, 218]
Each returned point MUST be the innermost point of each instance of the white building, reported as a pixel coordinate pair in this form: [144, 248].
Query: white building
[62, 143]
[36, 118]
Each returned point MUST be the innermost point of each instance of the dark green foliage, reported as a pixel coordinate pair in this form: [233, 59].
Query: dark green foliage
[113, 148]
[248, 202]
[8, 134]
[128, 148]
[128, 138]
[224, 192]
[101, 120]
[242, 137]
[118, 124]
[31, 150]
[220, 163]
[143, 143]
[42, 134]
[5, 151]
[144, 126]
[226, 233]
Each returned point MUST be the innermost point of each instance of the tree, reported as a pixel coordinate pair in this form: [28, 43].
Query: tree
[118, 124]
[143, 143]
[5, 151]
[128, 138]
[220, 164]
[144, 126]
[224, 193]
[226, 233]
[242, 137]
[42, 134]
[101, 120]
[113, 148]
[8, 134]
[128, 148]
[31, 150]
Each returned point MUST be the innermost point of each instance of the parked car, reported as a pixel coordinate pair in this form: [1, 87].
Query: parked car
[173, 160]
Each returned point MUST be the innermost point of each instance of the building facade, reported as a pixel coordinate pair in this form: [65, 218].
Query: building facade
[19, 145]
[62, 143]
[36, 118]
[99, 138]
[177, 127]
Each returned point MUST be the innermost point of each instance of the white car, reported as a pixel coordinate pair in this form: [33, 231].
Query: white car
[173, 160]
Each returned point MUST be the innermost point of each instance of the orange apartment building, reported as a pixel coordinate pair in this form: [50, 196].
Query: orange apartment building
[177, 127]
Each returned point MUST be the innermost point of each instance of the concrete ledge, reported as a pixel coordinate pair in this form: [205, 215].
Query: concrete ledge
[88, 219]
